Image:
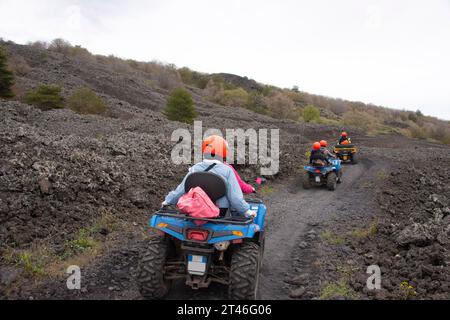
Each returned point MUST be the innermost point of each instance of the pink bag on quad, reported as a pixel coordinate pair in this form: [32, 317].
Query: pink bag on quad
[197, 204]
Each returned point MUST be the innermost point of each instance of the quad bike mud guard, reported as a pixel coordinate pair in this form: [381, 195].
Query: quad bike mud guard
[226, 250]
[329, 175]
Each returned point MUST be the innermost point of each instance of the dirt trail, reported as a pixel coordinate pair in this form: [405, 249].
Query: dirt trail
[292, 210]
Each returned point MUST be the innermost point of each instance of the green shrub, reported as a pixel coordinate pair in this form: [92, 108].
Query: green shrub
[66, 48]
[86, 101]
[213, 91]
[335, 290]
[45, 97]
[168, 78]
[280, 106]
[234, 97]
[31, 263]
[193, 78]
[412, 116]
[200, 80]
[19, 65]
[41, 45]
[186, 75]
[361, 120]
[180, 106]
[268, 90]
[6, 77]
[418, 133]
[82, 242]
[60, 45]
[446, 139]
[225, 84]
[311, 114]
[256, 103]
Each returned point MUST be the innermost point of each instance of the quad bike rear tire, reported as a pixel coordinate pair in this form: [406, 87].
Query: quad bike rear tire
[244, 273]
[354, 159]
[331, 181]
[307, 181]
[152, 284]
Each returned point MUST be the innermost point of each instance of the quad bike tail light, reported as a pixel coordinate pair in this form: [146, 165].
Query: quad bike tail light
[317, 171]
[237, 233]
[197, 235]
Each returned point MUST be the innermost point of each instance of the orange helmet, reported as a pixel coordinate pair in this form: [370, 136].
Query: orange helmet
[215, 146]
[344, 134]
[316, 146]
[323, 143]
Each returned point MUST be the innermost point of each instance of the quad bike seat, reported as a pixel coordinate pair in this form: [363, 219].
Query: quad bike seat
[318, 165]
[213, 185]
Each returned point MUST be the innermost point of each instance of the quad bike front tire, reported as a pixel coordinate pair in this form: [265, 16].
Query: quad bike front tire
[331, 181]
[150, 278]
[244, 273]
[354, 159]
[307, 181]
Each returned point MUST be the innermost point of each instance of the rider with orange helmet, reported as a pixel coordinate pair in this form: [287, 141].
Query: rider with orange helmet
[325, 151]
[217, 146]
[344, 139]
[317, 157]
[215, 149]
[316, 146]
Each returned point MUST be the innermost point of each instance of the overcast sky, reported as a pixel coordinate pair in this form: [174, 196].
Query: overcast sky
[391, 53]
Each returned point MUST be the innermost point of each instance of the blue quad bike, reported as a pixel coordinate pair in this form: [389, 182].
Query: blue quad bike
[226, 250]
[329, 175]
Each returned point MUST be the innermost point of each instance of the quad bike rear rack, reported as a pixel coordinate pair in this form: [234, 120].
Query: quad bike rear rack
[228, 220]
[345, 147]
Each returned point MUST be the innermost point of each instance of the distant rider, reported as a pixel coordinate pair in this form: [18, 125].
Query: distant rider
[344, 139]
[215, 150]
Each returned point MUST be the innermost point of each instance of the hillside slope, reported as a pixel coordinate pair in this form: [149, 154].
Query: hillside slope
[79, 189]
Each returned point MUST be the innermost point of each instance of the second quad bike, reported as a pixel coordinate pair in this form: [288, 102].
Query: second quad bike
[329, 175]
[226, 250]
[346, 152]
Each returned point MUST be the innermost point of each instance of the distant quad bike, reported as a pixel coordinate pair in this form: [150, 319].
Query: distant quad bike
[346, 152]
[329, 175]
[226, 250]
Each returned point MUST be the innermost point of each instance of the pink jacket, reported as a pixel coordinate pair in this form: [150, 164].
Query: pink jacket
[245, 187]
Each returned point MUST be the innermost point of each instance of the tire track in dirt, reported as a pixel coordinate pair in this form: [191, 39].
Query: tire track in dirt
[292, 209]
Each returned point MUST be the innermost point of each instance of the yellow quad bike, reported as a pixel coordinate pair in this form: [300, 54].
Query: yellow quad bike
[346, 152]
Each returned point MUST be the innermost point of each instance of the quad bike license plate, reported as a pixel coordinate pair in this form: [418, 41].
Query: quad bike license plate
[317, 178]
[345, 157]
[197, 264]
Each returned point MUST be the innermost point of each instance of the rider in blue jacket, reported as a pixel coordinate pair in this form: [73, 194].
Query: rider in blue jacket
[215, 150]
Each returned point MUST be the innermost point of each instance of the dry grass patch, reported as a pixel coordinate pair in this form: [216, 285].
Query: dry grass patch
[41, 260]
